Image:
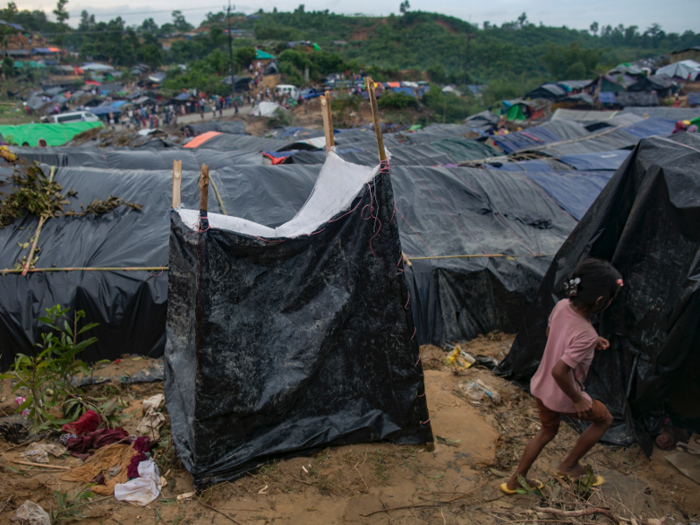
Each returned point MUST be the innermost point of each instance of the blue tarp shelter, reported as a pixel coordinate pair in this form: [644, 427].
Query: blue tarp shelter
[573, 191]
[606, 160]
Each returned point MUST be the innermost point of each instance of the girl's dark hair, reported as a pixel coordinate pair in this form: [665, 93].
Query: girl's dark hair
[591, 279]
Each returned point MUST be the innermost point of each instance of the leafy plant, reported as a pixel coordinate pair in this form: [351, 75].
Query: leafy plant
[48, 375]
[400, 100]
[68, 506]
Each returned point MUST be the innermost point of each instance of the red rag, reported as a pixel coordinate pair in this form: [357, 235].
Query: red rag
[81, 446]
[132, 471]
[85, 424]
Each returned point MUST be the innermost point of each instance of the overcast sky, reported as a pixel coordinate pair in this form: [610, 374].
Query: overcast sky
[676, 16]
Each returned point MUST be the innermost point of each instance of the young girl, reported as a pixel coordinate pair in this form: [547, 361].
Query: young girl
[558, 383]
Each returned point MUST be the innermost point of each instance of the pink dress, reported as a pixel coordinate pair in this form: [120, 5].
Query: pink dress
[572, 339]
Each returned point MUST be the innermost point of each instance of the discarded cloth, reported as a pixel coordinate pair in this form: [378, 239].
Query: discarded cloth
[141, 445]
[32, 514]
[81, 446]
[85, 424]
[152, 420]
[104, 460]
[39, 452]
[142, 490]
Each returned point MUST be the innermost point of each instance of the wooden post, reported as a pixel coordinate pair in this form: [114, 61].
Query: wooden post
[375, 116]
[203, 197]
[327, 120]
[177, 183]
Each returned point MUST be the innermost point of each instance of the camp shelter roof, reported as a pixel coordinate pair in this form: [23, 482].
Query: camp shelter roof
[461, 149]
[651, 126]
[137, 158]
[54, 134]
[682, 70]
[645, 217]
[119, 103]
[526, 165]
[183, 96]
[601, 141]
[439, 212]
[638, 98]
[583, 98]
[94, 66]
[570, 85]
[552, 131]
[263, 55]
[201, 139]
[694, 99]
[605, 160]
[228, 141]
[580, 115]
[659, 83]
[236, 127]
[549, 91]
[104, 110]
[574, 191]
[664, 112]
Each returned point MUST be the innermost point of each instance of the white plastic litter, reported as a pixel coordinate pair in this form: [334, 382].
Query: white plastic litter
[142, 490]
[477, 391]
[32, 514]
[39, 452]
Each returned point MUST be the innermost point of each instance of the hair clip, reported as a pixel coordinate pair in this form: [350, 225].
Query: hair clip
[620, 283]
[571, 286]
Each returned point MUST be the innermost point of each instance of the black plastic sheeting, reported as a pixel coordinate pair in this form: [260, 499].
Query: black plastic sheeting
[505, 212]
[279, 348]
[236, 127]
[129, 306]
[574, 191]
[645, 222]
[137, 159]
[446, 214]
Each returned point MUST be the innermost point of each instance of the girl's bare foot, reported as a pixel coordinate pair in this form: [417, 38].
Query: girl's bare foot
[577, 471]
[513, 483]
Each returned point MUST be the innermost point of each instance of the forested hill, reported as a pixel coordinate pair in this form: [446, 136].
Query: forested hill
[516, 54]
[421, 40]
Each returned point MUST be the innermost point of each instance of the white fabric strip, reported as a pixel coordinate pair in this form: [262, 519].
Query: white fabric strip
[336, 187]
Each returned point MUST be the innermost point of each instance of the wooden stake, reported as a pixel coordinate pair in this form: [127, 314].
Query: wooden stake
[177, 183]
[41, 465]
[327, 121]
[204, 188]
[375, 116]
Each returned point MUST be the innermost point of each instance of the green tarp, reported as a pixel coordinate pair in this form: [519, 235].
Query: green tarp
[515, 112]
[262, 55]
[53, 134]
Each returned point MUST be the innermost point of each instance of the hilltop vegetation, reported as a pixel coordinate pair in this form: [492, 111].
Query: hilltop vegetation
[510, 59]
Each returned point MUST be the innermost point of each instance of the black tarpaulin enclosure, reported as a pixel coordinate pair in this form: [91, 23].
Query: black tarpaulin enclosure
[646, 222]
[281, 340]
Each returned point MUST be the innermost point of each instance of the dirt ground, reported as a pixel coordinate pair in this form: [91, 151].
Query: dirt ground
[477, 445]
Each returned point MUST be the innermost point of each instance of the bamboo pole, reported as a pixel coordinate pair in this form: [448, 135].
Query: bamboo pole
[327, 121]
[203, 197]
[177, 183]
[375, 116]
[90, 269]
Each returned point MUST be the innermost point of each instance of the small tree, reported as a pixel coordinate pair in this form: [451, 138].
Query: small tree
[404, 7]
[61, 16]
[522, 20]
[594, 28]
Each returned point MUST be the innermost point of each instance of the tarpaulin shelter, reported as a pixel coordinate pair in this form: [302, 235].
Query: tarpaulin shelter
[684, 70]
[54, 134]
[237, 127]
[645, 223]
[308, 325]
[453, 298]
